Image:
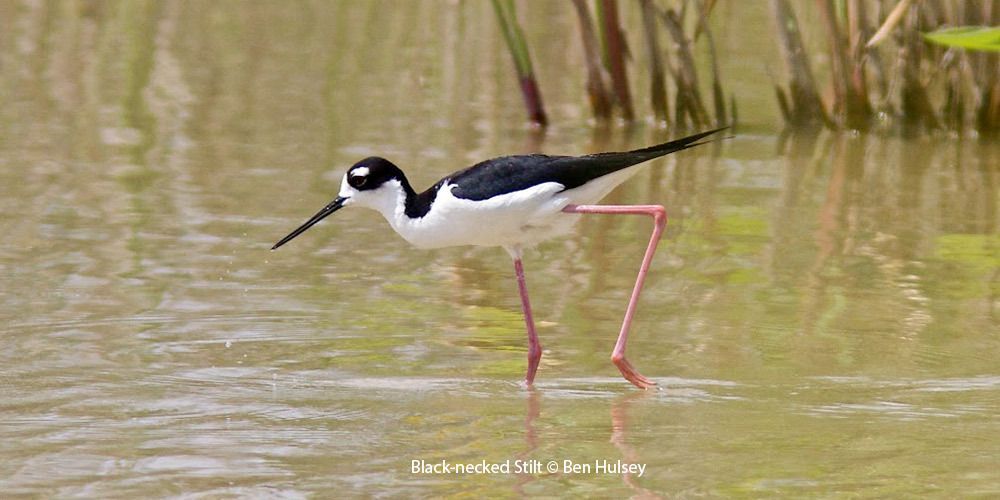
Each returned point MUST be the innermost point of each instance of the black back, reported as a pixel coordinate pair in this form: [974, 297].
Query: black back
[514, 173]
[507, 174]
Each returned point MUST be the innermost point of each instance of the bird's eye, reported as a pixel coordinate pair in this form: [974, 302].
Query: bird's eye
[358, 180]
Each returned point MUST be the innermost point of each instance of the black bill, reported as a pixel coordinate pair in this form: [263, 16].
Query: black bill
[327, 210]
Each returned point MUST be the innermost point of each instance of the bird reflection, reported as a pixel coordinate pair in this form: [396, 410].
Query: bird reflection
[533, 408]
[619, 437]
[620, 426]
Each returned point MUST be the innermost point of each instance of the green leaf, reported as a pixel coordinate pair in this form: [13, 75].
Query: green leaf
[968, 37]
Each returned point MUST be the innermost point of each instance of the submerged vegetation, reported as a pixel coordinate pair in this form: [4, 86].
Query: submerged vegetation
[889, 64]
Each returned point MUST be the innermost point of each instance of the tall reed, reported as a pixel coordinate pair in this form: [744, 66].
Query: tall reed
[518, 47]
[614, 51]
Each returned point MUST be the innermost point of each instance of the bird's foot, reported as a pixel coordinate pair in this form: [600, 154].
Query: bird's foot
[631, 374]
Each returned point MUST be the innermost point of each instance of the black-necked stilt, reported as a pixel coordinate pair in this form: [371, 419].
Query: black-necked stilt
[513, 202]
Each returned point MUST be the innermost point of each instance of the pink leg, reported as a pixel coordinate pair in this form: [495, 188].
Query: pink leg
[660, 219]
[534, 347]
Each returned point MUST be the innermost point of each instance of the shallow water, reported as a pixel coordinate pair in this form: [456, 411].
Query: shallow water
[822, 317]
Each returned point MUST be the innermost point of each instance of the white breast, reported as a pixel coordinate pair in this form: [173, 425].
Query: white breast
[518, 219]
[510, 219]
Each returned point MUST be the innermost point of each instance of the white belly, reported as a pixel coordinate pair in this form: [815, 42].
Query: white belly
[515, 220]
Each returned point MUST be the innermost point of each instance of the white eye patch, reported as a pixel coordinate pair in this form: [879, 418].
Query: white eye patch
[359, 172]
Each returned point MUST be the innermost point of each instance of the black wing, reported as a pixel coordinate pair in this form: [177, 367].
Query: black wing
[514, 173]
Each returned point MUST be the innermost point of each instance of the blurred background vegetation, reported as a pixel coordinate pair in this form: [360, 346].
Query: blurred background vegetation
[879, 71]
[841, 64]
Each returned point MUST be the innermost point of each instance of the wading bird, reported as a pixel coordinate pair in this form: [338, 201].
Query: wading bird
[512, 202]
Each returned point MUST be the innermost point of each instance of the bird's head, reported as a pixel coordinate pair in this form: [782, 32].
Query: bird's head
[372, 183]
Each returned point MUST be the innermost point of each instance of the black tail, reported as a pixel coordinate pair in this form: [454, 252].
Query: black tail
[675, 145]
[604, 163]
[513, 173]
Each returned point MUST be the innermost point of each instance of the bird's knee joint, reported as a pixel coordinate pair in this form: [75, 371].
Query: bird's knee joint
[659, 212]
[617, 357]
[659, 215]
